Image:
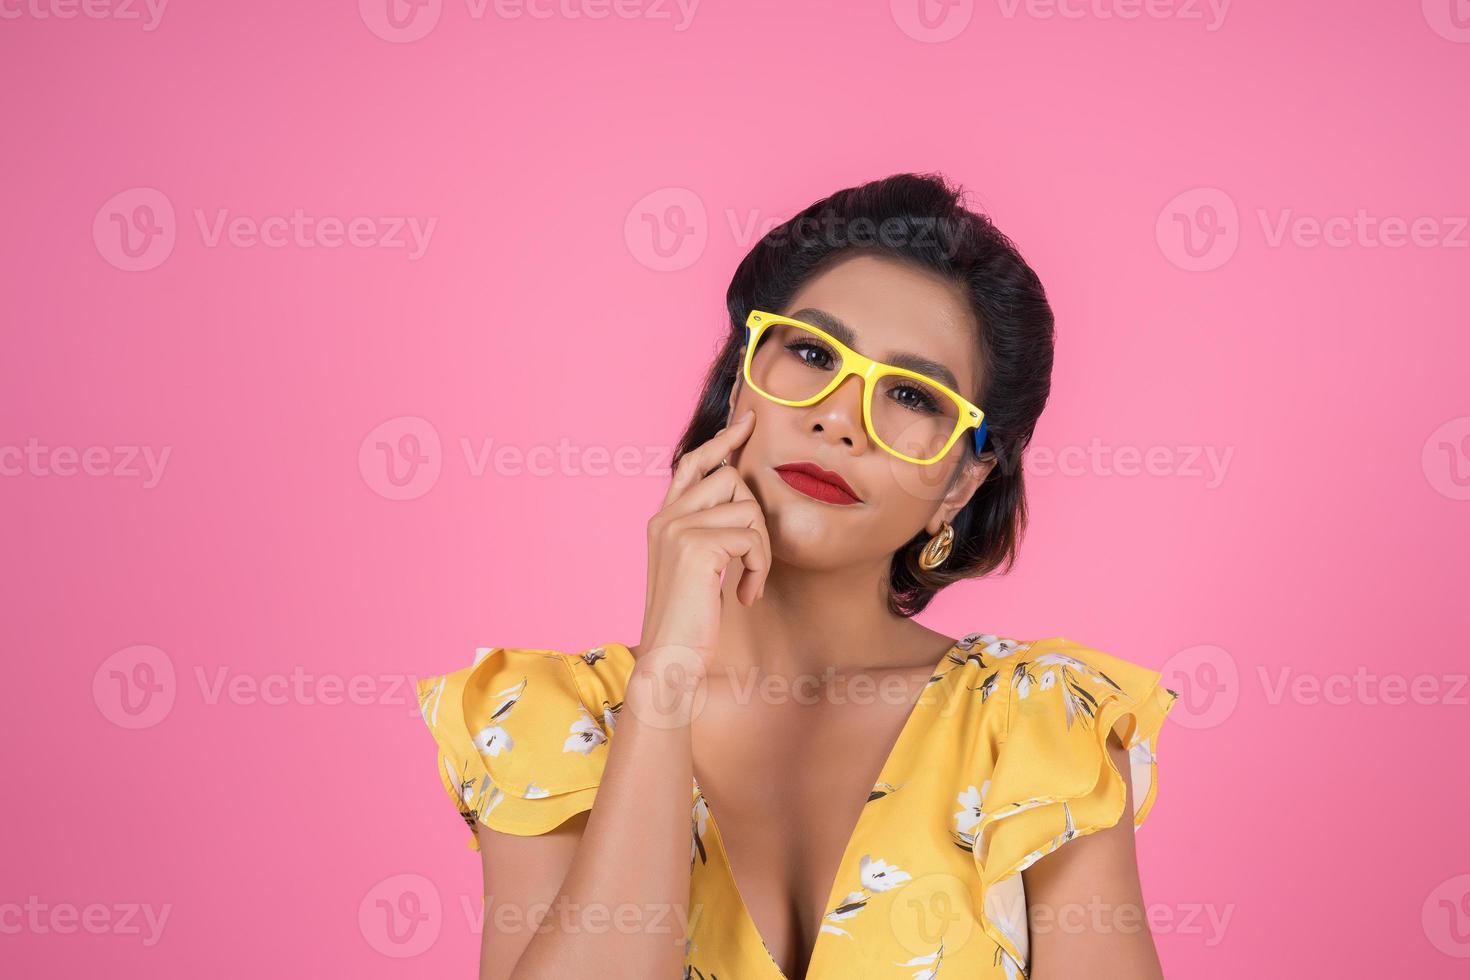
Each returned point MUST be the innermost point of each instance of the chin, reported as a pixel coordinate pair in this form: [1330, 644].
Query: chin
[809, 534]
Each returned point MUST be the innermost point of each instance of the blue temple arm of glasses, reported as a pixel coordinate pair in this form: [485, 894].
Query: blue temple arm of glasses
[980, 437]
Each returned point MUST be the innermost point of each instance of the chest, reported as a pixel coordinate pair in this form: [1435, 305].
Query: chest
[786, 781]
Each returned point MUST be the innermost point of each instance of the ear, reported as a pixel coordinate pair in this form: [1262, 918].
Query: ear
[733, 400]
[973, 472]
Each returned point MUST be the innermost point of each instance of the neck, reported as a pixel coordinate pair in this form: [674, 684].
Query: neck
[810, 620]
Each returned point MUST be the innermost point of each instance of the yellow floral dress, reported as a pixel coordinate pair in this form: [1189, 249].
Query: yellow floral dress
[1001, 760]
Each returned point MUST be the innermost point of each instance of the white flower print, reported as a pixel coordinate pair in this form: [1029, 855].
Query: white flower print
[591, 657]
[508, 698]
[534, 792]
[477, 795]
[969, 640]
[1051, 659]
[467, 786]
[429, 701]
[496, 797]
[493, 740]
[1022, 679]
[987, 686]
[972, 803]
[878, 875]
[976, 647]
[881, 789]
[1142, 754]
[1070, 668]
[1072, 663]
[991, 645]
[585, 735]
[930, 963]
[850, 906]
[1077, 699]
[699, 819]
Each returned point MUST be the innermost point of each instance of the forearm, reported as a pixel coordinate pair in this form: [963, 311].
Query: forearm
[622, 908]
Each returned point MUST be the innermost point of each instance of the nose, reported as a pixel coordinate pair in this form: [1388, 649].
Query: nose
[839, 417]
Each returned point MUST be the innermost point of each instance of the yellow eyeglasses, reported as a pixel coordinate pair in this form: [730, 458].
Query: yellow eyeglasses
[795, 363]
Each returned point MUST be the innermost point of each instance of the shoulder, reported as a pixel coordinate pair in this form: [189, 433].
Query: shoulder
[1062, 701]
[1050, 774]
[522, 732]
[1057, 681]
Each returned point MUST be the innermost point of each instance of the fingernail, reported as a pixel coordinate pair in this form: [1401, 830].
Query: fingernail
[748, 413]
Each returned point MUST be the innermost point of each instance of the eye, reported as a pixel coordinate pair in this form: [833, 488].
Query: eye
[915, 397]
[812, 353]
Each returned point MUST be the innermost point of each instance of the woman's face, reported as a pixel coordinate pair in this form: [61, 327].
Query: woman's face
[891, 309]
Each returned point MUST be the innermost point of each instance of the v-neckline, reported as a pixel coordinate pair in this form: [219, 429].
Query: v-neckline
[905, 733]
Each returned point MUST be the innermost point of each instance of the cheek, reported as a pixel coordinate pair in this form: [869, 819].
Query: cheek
[769, 436]
[754, 446]
[911, 489]
[896, 518]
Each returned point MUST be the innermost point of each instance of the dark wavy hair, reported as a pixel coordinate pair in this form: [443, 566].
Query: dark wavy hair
[920, 219]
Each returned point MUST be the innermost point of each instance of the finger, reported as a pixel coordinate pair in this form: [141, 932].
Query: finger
[694, 464]
[722, 486]
[756, 576]
[717, 488]
[710, 455]
[725, 485]
[733, 513]
[744, 543]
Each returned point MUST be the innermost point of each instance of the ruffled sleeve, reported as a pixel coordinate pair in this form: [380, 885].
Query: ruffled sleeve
[1053, 780]
[522, 734]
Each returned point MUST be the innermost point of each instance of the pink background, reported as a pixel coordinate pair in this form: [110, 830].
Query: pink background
[1141, 163]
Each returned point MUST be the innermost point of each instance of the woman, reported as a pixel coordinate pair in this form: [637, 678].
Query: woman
[855, 449]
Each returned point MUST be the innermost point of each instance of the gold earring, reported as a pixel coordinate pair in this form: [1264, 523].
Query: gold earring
[938, 548]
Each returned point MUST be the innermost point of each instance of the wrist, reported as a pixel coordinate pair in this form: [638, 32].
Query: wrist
[665, 687]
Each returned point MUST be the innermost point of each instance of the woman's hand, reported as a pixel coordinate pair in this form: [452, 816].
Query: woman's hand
[707, 520]
[705, 524]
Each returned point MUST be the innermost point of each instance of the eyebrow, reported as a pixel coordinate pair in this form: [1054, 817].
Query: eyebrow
[903, 359]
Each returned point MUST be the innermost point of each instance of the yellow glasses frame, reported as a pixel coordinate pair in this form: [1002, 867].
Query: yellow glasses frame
[969, 417]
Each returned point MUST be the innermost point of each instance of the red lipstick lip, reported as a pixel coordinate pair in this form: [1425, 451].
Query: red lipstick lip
[825, 476]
